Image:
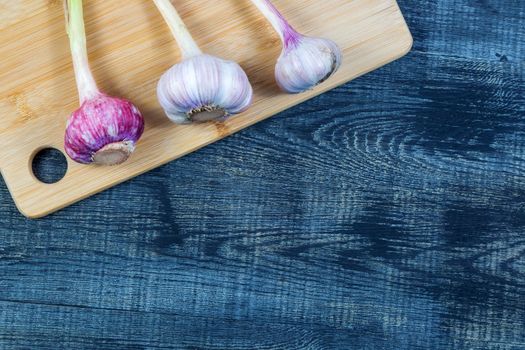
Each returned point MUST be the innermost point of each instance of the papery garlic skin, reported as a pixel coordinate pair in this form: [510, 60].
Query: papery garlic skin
[306, 62]
[103, 130]
[203, 88]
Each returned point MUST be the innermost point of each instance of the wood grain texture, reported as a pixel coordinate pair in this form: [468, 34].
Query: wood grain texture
[388, 213]
[38, 91]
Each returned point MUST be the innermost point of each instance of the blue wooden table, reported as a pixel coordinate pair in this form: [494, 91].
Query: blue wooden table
[386, 214]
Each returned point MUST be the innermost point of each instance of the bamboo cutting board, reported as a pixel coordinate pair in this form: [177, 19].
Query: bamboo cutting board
[130, 47]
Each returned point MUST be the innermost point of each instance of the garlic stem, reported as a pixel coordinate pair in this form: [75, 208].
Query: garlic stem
[87, 88]
[287, 33]
[187, 45]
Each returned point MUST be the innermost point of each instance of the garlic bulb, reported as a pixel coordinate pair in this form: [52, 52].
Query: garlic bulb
[104, 130]
[202, 87]
[305, 62]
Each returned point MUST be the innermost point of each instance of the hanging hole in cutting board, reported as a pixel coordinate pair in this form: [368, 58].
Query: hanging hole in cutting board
[49, 165]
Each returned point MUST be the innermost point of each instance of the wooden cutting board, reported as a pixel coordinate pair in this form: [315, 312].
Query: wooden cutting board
[130, 47]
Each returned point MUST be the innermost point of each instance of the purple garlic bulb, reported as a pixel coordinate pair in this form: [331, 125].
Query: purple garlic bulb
[104, 130]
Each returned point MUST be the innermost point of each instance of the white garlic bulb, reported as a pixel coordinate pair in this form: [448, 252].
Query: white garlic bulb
[305, 62]
[202, 87]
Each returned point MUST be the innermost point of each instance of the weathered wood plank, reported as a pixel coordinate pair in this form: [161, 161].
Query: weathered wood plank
[386, 214]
